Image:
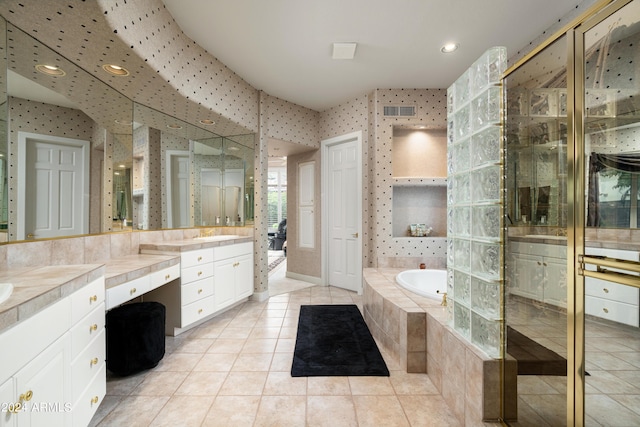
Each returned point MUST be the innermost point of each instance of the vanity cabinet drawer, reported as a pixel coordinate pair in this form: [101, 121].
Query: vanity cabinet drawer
[164, 276]
[198, 272]
[127, 291]
[230, 251]
[611, 291]
[87, 364]
[86, 299]
[87, 404]
[87, 329]
[197, 310]
[196, 290]
[197, 257]
[612, 310]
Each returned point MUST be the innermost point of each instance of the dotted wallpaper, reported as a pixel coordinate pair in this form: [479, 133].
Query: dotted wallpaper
[431, 112]
[168, 71]
[45, 119]
[580, 7]
[365, 113]
[290, 122]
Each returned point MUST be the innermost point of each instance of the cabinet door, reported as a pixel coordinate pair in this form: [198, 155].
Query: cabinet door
[224, 283]
[47, 379]
[555, 281]
[528, 276]
[7, 402]
[244, 276]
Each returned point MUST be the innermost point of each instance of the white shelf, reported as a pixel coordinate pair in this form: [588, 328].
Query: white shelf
[420, 181]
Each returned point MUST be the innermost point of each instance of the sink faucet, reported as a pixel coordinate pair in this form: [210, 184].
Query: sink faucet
[206, 233]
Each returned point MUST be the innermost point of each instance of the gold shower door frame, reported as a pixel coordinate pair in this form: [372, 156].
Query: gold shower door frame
[576, 187]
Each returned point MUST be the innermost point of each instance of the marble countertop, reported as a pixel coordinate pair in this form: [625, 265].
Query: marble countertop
[192, 244]
[124, 269]
[36, 288]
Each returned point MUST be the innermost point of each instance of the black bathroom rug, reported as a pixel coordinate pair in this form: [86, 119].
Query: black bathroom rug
[334, 340]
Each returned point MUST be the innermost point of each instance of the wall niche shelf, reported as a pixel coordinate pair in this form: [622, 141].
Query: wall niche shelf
[419, 183]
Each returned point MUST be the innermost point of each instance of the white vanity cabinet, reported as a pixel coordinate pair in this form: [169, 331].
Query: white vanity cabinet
[53, 363]
[233, 273]
[191, 298]
[539, 272]
[608, 300]
[211, 279]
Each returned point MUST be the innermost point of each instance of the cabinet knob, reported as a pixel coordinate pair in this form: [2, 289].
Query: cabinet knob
[14, 408]
[199, 273]
[606, 291]
[199, 258]
[539, 263]
[167, 277]
[93, 328]
[133, 291]
[26, 396]
[544, 263]
[200, 311]
[94, 361]
[94, 400]
[93, 298]
[606, 310]
[199, 291]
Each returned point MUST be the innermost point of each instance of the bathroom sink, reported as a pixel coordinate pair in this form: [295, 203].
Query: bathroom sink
[5, 291]
[545, 237]
[218, 238]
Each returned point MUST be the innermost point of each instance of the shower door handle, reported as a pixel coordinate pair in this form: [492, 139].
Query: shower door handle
[611, 276]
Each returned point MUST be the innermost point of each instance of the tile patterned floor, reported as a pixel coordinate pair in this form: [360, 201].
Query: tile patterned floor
[612, 360]
[235, 371]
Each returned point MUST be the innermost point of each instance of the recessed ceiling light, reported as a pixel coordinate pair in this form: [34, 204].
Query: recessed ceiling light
[122, 166]
[50, 70]
[449, 47]
[233, 149]
[124, 122]
[344, 50]
[116, 70]
[207, 122]
[174, 126]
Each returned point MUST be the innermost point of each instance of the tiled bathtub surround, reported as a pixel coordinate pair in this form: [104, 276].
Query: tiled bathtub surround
[414, 331]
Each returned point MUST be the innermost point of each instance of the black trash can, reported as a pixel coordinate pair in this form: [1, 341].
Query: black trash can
[135, 337]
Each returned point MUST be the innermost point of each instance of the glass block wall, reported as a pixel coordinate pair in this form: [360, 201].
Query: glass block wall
[475, 185]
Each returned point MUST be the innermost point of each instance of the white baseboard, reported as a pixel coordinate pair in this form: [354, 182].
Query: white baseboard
[260, 296]
[305, 278]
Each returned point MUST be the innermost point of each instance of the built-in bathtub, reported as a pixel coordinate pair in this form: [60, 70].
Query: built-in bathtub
[427, 283]
[413, 330]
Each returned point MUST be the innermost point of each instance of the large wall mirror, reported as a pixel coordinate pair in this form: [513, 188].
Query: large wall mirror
[78, 157]
[186, 176]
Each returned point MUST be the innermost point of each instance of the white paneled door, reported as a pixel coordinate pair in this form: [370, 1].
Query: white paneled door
[343, 212]
[53, 201]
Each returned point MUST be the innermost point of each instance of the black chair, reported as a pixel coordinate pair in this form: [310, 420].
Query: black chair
[279, 237]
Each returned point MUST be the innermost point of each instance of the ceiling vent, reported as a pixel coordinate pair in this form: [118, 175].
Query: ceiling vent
[398, 111]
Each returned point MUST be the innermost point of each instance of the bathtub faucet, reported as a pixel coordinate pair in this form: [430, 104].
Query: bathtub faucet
[444, 298]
